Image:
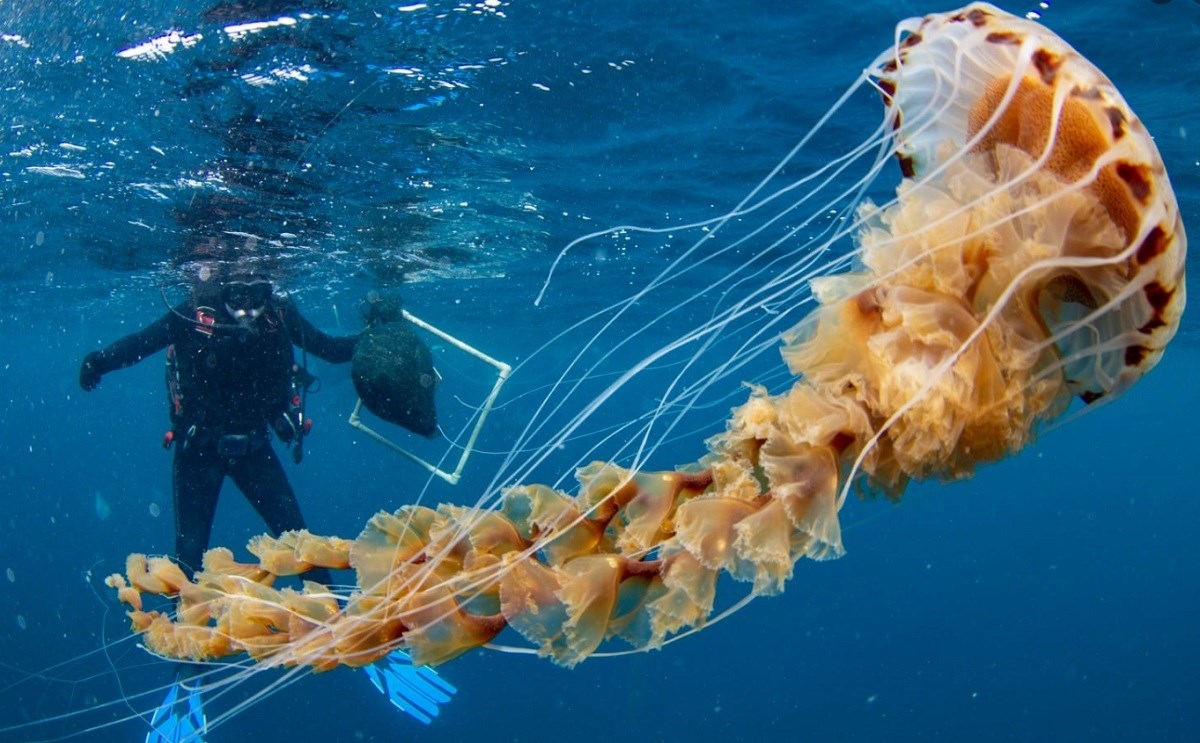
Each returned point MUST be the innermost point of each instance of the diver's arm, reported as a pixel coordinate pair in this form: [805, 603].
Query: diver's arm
[332, 348]
[127, 351]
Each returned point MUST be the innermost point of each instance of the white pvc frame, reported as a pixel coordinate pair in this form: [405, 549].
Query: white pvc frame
[503, 370]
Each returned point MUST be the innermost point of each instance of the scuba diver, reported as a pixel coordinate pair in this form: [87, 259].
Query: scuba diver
[231, 376]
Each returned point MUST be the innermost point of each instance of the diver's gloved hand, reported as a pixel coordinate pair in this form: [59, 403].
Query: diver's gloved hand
[89, 371]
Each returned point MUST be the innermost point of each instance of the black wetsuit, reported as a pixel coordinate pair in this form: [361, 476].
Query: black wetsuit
[230, 383]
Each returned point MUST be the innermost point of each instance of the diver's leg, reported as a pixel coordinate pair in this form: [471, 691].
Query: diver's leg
[260, 477]
[197, 473]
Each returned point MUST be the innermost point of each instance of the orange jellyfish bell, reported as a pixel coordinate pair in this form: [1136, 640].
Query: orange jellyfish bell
[1033, 256]
[980, 80]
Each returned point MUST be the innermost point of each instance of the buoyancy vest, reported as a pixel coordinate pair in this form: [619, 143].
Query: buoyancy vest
[270, 388]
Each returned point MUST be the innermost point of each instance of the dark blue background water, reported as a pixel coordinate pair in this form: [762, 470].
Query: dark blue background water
[1052, 596]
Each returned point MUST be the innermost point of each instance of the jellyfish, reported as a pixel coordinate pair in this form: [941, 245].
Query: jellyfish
[1029, 266]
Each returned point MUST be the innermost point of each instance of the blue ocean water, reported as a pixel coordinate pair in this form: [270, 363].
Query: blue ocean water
[448, 151]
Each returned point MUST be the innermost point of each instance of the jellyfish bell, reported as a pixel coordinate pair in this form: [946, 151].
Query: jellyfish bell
[1029, 112]
[1032, 257]
[1034, 252]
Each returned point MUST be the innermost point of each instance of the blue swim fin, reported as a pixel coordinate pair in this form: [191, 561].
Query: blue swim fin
[180, 717]
[417, 691]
